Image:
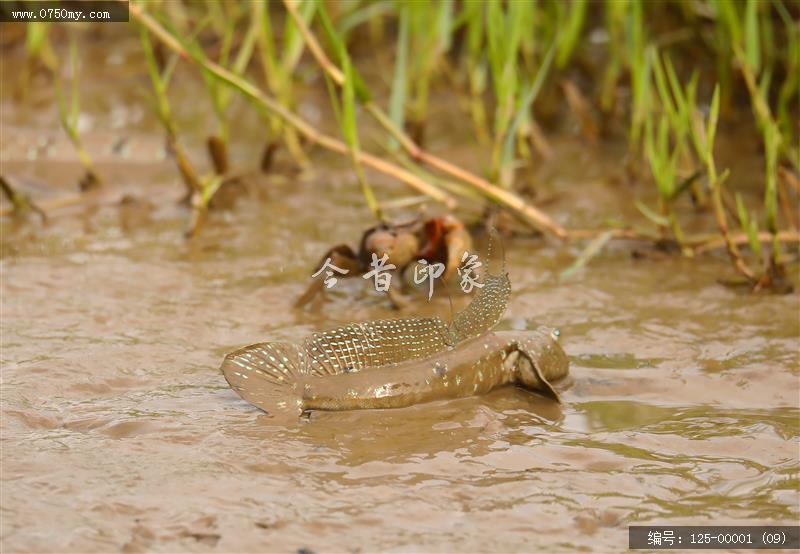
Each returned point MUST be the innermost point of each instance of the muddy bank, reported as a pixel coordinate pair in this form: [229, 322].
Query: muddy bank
[119, 433]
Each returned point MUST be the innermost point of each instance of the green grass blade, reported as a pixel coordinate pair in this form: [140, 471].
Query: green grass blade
[350, 133]
[663, 91]
[572, 31]
[266, 45]
[444, 26]
[685, 184]
[742, 213]
[527, 101]
[73, 62]
[361, 91]
[752, 237]
[397, 101]
[293, 39]
[713, 118]
[751, 36]
[35, 38]
[656, 218]
[349, 129]
[245, 52]
[771, 144]
[363, 14]
[335, 101]
[592, 249]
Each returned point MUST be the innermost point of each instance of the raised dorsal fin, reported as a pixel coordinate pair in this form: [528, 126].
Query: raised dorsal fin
[490, 302]
[373, 344]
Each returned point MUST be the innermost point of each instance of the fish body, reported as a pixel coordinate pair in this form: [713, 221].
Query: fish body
[399, 362]
[280, 377]
[475, 367]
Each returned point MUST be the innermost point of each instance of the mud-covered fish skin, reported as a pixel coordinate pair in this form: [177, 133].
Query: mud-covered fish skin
[399, 362]
[388, 341]
[529, 359]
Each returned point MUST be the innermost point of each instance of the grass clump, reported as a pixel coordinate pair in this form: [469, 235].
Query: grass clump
[661, 76]
[70, 114]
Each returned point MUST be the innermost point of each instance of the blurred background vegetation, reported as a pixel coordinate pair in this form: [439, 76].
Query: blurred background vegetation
[660, 76]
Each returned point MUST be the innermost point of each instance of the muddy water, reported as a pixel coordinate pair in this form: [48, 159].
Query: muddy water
[120, 434]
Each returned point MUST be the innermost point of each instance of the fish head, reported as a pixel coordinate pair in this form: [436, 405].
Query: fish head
[536, 358]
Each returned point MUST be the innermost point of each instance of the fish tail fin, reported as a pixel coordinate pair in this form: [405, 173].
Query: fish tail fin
[269, 375]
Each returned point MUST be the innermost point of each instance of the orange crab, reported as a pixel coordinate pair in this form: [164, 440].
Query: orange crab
[439, 239]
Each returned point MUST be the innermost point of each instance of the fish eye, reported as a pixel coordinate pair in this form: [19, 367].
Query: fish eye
[556, 333]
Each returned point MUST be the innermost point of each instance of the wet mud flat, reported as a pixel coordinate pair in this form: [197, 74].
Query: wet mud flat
[120, 434]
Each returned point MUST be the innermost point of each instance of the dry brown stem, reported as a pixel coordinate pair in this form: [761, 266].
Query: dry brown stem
[302, 126]
[508, 199]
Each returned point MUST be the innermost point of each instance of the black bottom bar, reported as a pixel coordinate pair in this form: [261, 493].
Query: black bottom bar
[743, 537]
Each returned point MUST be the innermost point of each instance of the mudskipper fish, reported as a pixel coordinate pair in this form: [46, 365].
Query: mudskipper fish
[398, 362]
